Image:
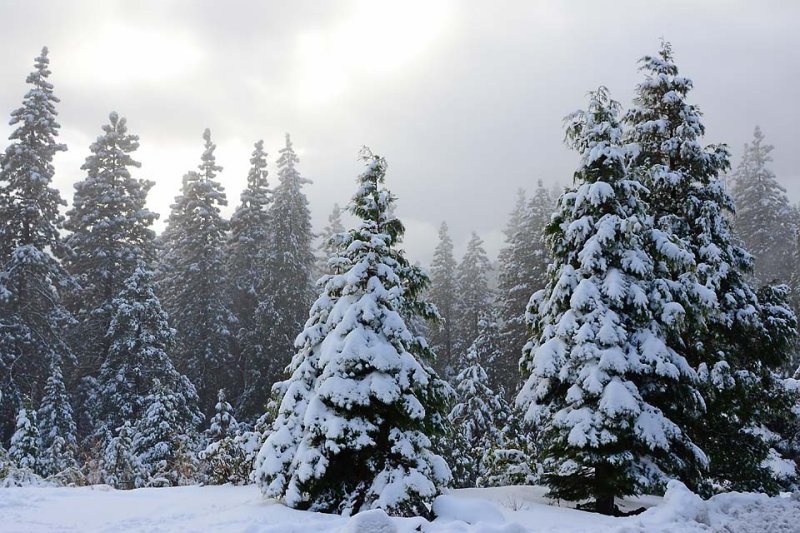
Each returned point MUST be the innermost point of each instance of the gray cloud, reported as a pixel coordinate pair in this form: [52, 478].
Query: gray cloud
[466, 101]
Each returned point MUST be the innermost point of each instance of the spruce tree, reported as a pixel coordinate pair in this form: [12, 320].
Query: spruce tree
[289, 263]
[191, 281]
[328, 245]
[474, 295]
[165, 438]
[603, 382]
[140, 340]
[726, 321]
[121, 467]
[350, 434]
[225, 460]
[765, 220]
[32, 281]
[25, 450]
[223, 423]
[478, 416]
[513, 459]
[247, 247]
[111, 234]
[444, 295]
[522, 271]
[59, 444]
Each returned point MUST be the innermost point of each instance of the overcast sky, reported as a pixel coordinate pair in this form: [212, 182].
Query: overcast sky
[465, 99]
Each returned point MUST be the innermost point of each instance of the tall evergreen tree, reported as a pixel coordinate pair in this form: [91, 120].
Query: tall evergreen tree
[727, 322]
[140, 340]
[32, 281]
[474, 295]
[603, 381]
[765, 220]
[247, 247]
[444, 295]
[351, 429]
[328, 245]
[111, 234]
[290, 261]
[191, 284]
[523, 271]
[59, 443]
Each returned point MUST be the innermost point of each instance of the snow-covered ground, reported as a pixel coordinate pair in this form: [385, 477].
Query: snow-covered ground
[499, 510]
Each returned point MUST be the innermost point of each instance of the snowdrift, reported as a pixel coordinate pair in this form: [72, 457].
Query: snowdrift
[497, 510]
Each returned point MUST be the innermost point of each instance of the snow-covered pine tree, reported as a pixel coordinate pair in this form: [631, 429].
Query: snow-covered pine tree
[290, 261]
[165, 438]
[328, 245]
[350, 434]
[121, 467]
[32, 281]
[225, 460]
[223, 424]
[602, 379]
[474, 295]
[192, 285]
[111, 233]
[140, 340]
[247, 247]
[513, 460]
[522, 271]
[25, 448]
[58, 441]
[765, 220]
[479, 414]
[444, 295]
[726, 322]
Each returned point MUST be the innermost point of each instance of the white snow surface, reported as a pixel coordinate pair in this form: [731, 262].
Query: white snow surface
[494, 510]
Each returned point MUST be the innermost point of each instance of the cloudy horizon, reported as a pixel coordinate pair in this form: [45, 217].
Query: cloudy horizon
[465, 103]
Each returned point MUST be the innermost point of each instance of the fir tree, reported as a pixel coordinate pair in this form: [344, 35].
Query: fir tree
[165, 438]
[444, 295]
[25, 450]
[350, 434]
[765, 220]
[489, 349]
[603, 382]
[223, 423]
[56, 425]
[328, 245]
[478, 416]
[111, 234]
[522, 271]
[32, 281]
[140, 340]
[191, 273]
[474, 296]
[290, 261]
[512, 459]
[225, 458]
[121, 467]
[247, 247]
[726, 321]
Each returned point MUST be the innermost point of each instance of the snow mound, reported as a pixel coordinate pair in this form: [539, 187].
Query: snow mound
[758, 513]
[469, 510]
[680, 505]
[374, 521]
